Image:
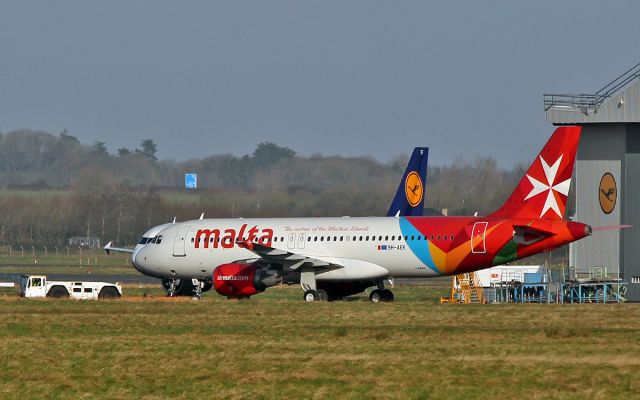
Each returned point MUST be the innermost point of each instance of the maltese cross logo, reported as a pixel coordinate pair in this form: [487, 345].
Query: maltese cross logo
[550, 186]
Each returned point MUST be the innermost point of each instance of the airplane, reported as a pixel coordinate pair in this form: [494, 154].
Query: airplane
[336, 257]
[409, 200]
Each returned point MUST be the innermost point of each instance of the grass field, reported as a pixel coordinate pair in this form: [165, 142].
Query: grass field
[276, 346]
[95, 261]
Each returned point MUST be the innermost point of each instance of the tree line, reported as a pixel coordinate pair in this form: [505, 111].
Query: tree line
[57, 187]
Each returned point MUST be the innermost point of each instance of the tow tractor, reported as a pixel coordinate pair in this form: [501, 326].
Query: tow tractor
[39, 286]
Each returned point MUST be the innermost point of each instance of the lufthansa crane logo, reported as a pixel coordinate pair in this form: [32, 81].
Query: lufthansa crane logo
[608, 193]
[413, 188]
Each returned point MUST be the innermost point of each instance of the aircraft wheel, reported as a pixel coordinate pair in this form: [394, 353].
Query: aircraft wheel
[323, 295]
[207, 286]
[376, 296]
[311, 295]
[387, 295]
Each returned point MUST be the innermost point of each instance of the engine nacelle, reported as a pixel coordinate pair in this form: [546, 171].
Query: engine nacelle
[243, 279]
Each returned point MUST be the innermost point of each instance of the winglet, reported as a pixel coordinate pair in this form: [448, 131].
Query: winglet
[107, 248]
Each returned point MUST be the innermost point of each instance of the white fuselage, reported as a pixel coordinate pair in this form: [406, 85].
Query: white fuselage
[370, 248]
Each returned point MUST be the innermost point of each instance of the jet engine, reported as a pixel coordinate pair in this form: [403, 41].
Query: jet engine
[241, 280]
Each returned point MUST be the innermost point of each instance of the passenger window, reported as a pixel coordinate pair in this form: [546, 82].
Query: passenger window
[432, 238]
[341, 238]
[322, 238]
[438, 237]
[367, 239]
[413, 237]
[335, 238]
[386, 238]
[379, 237]
[419, 237]
[451, 237]
[308, 238]
[315, 238]
[328, 238]
[191, 240]
[361, 238]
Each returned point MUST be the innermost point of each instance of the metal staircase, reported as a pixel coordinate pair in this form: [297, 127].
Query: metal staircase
[465, 289]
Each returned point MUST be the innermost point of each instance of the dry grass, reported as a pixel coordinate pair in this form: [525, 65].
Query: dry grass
[275, 346]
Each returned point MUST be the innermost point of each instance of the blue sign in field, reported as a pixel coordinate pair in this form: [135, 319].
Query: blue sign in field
[191, 181]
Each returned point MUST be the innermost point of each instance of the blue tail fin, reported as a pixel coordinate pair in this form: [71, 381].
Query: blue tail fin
[409, 200]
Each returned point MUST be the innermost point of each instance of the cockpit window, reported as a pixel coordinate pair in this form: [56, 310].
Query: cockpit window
[144, 240]
[159, 239]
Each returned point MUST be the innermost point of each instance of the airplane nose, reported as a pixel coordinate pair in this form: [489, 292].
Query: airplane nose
[138, 260]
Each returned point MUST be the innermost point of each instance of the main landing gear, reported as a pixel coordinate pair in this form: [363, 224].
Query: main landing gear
[336, 291]
[382, 295]
[315, 295]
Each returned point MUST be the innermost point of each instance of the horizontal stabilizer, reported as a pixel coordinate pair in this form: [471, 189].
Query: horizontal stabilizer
[527, 235]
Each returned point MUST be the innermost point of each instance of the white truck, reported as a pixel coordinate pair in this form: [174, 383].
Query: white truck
[39, 286]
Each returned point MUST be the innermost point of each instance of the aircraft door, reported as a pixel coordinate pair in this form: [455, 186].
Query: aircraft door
[180, 241]
[291, 242]
[478, 245]
[301, 239]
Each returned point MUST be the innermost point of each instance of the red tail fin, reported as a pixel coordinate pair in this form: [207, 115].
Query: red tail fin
[542, 192]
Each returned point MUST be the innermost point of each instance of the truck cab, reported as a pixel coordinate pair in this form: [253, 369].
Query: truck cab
[33, 286]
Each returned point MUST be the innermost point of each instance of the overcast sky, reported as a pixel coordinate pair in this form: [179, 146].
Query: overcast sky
[336, 77]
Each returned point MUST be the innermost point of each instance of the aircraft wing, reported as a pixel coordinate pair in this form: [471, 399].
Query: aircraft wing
[292, 260]
[109, 249]
[329, 267]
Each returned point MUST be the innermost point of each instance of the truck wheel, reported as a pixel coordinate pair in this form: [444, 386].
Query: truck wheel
[58, 292]
[109, 292]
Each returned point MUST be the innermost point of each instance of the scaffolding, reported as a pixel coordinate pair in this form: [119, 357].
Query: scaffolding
[465, 289]
[547, 287]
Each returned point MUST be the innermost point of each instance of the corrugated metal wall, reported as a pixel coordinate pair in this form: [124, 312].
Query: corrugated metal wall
[631, 236]
[602, 248]
[602, 149]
